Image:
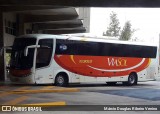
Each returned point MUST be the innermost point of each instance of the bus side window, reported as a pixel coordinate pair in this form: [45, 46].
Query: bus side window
[44, 53]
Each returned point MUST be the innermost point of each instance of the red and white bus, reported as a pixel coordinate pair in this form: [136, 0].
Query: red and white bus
[60, 59]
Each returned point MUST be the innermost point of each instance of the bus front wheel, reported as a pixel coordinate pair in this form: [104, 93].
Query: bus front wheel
[61, 80]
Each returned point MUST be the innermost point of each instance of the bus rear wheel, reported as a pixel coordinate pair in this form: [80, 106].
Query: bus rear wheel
[61, 80]
[132, 79]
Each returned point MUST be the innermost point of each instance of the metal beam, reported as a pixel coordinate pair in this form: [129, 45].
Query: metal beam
[74, 21]
[15, 8]
[84, 3]
[44, 18]
[76, 28]
[42, 26]
[65, 30]
[54, 11]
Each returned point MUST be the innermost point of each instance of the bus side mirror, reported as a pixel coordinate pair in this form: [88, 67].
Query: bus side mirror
[31, 46]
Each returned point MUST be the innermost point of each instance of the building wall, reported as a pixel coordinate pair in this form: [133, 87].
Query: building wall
[8, 20]
[8, 38]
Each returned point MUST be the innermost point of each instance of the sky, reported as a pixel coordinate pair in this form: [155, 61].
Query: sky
[145, 20]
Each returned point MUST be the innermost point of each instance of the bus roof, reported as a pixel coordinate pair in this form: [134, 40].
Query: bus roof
[82, 37]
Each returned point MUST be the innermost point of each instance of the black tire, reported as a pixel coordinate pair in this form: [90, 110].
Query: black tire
[132, 79]
[61, 80]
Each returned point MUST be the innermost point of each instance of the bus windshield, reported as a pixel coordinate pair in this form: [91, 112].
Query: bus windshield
[18, 60]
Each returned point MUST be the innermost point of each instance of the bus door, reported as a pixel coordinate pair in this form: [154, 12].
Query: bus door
[43, 71]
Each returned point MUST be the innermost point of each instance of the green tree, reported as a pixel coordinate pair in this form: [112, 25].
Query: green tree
[114, 28]
[127, 32]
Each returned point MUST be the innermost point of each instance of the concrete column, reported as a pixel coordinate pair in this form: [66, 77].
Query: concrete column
[2, 73]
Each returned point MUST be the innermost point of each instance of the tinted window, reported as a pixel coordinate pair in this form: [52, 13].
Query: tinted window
[44, 53]
[18, 60]
[104, 49]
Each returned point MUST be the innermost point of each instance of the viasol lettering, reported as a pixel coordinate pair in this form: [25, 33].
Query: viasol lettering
[117, 62]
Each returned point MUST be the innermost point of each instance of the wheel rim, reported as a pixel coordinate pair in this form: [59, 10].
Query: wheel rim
[60, 80]
[132, 79]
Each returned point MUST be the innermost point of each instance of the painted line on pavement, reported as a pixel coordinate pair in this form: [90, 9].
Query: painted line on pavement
[22, 88]
[48, 87]
[16, 100]
[9, 92]
[47, 104]
[45, 91]
[5, 94]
